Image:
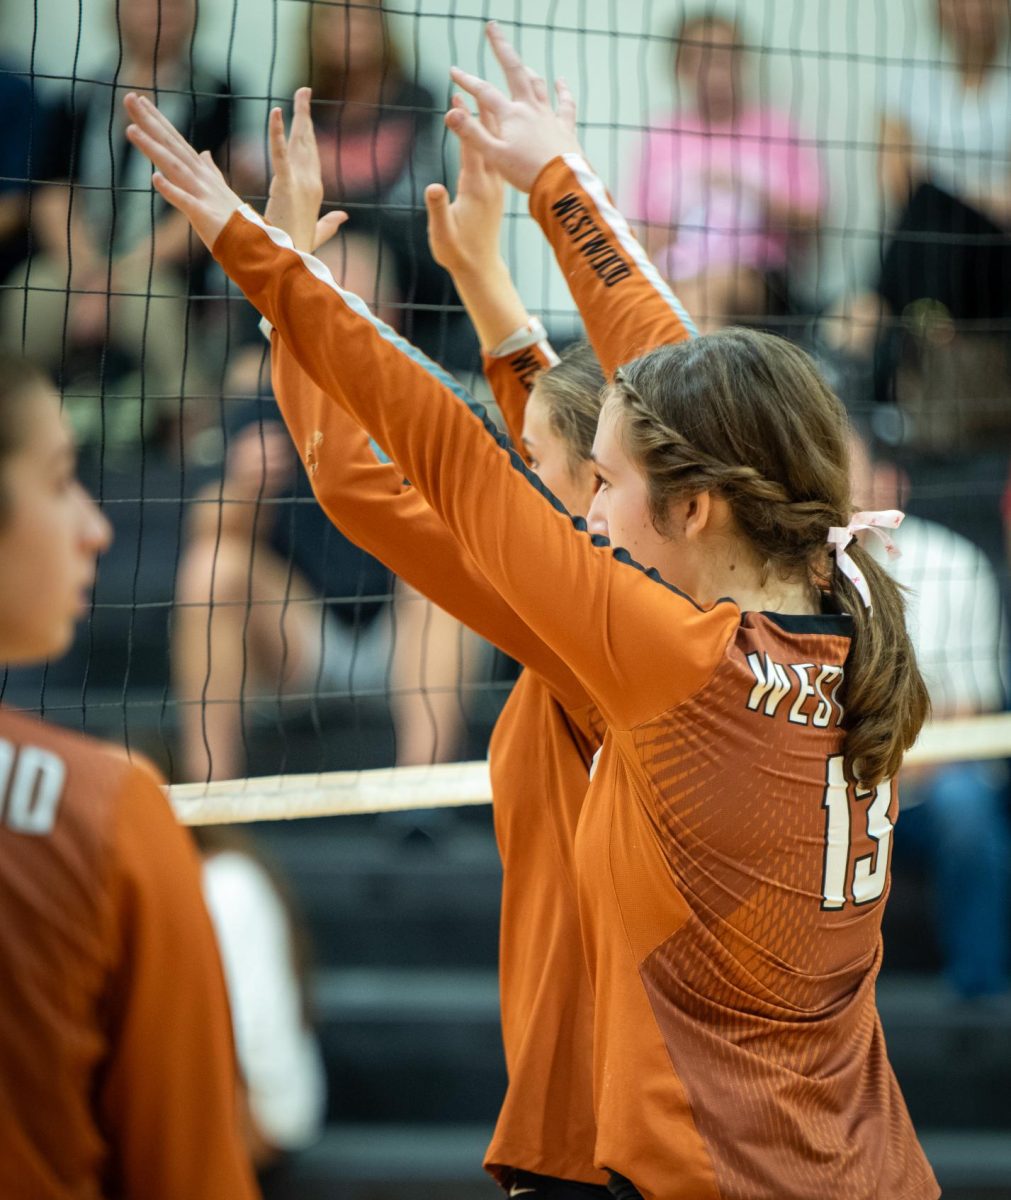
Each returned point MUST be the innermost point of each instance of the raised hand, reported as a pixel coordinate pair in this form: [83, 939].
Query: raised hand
[528, 132]
[296, 189]
[464, 235]
[189, 181]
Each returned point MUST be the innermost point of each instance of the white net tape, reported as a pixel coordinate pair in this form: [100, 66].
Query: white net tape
[393, 789]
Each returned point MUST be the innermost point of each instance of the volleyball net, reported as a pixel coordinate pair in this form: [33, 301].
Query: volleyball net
[818, 170]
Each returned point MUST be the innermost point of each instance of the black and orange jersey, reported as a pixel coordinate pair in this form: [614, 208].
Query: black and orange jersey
[117, 1068]
[730, 880]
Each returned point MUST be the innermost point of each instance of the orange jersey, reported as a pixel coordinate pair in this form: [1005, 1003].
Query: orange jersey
[117, 1069]
[540, 757]
[730, 881]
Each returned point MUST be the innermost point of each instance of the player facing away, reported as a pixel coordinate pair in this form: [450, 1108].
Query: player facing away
[117, 1070]
[543, 745]
[751, 665]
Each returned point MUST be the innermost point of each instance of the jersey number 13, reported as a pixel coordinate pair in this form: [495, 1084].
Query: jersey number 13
[870, 872]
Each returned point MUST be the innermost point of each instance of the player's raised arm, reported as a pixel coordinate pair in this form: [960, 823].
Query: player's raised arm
[626, 306]
[366, 499]
[369, 502]
[465, 237]
[606, 618]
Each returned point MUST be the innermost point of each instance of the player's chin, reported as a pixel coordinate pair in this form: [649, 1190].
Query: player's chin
[41, 643]
[60, 634]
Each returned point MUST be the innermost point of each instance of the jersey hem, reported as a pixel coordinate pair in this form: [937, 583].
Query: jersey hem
[512, 1158]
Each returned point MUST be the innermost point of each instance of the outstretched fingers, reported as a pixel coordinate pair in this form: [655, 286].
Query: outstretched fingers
[517, 75]
[566, 107]
[278, 142]
[188, 180]
[473, 134]
[302, 129]
[491, 102]
[166, 161]
[327, 226]
[158, 127]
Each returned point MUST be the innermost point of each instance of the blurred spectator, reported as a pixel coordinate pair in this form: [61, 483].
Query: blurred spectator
[297, 610]
[944, 174]
[100, 231]
[23, 133]
[262, 952]
[954, 816]
[725, 188]
[380, 139]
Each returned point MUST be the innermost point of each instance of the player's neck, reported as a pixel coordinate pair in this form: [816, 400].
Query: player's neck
[754, 587]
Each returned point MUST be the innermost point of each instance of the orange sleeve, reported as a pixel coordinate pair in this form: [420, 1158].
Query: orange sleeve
[626, 306]
[169, 1096]
[368, 501]
[636, 644]
[511, 378]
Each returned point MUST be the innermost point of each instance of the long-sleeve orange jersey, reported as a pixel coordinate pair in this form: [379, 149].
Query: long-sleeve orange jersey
[540, 756]
[117, 1068]
[730, 880]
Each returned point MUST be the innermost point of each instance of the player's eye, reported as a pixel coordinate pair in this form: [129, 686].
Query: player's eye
[599, 482]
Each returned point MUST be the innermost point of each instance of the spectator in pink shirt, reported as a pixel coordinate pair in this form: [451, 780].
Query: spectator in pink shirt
[725, 190]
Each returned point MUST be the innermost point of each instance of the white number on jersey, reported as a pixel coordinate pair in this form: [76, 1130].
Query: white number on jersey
[870, 872]
[31, 785]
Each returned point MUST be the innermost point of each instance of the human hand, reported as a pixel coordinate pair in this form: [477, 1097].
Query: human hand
[464, 235]
[189, 181]
[528, 132]
[296, 188]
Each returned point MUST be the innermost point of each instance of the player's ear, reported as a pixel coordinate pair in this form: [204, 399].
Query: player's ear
[697, 514]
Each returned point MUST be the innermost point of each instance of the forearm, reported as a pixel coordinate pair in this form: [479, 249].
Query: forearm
[591, 611]
[512, 376]
[625, 305]
[370, 504]
[491, 300]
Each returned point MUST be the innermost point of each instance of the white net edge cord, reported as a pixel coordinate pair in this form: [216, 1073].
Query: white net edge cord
[331, 793]
[452, 785]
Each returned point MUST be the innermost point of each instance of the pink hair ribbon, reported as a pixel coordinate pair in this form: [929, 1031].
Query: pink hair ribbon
[840, 536]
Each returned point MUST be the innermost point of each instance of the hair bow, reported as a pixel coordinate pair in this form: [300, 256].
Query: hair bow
[840, 536]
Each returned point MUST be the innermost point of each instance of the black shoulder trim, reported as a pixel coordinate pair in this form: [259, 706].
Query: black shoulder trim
[819, 624]
[578, 523]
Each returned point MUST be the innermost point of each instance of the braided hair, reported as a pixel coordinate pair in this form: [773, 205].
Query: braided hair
[747, 415]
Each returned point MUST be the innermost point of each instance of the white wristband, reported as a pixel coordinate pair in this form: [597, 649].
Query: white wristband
[266, 328]
[527, 335]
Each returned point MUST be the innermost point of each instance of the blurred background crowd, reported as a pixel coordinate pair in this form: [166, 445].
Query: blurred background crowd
[842, 178]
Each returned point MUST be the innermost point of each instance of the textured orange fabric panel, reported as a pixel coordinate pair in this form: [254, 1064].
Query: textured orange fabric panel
[540, 756]
[117, 1069]
[369, 502]
[761, 998]
[540, 761]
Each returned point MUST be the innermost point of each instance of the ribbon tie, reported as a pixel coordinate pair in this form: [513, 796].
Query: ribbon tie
[840, 536]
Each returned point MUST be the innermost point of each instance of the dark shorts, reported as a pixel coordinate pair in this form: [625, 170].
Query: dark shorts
[548, 1187]
[530, 1186]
